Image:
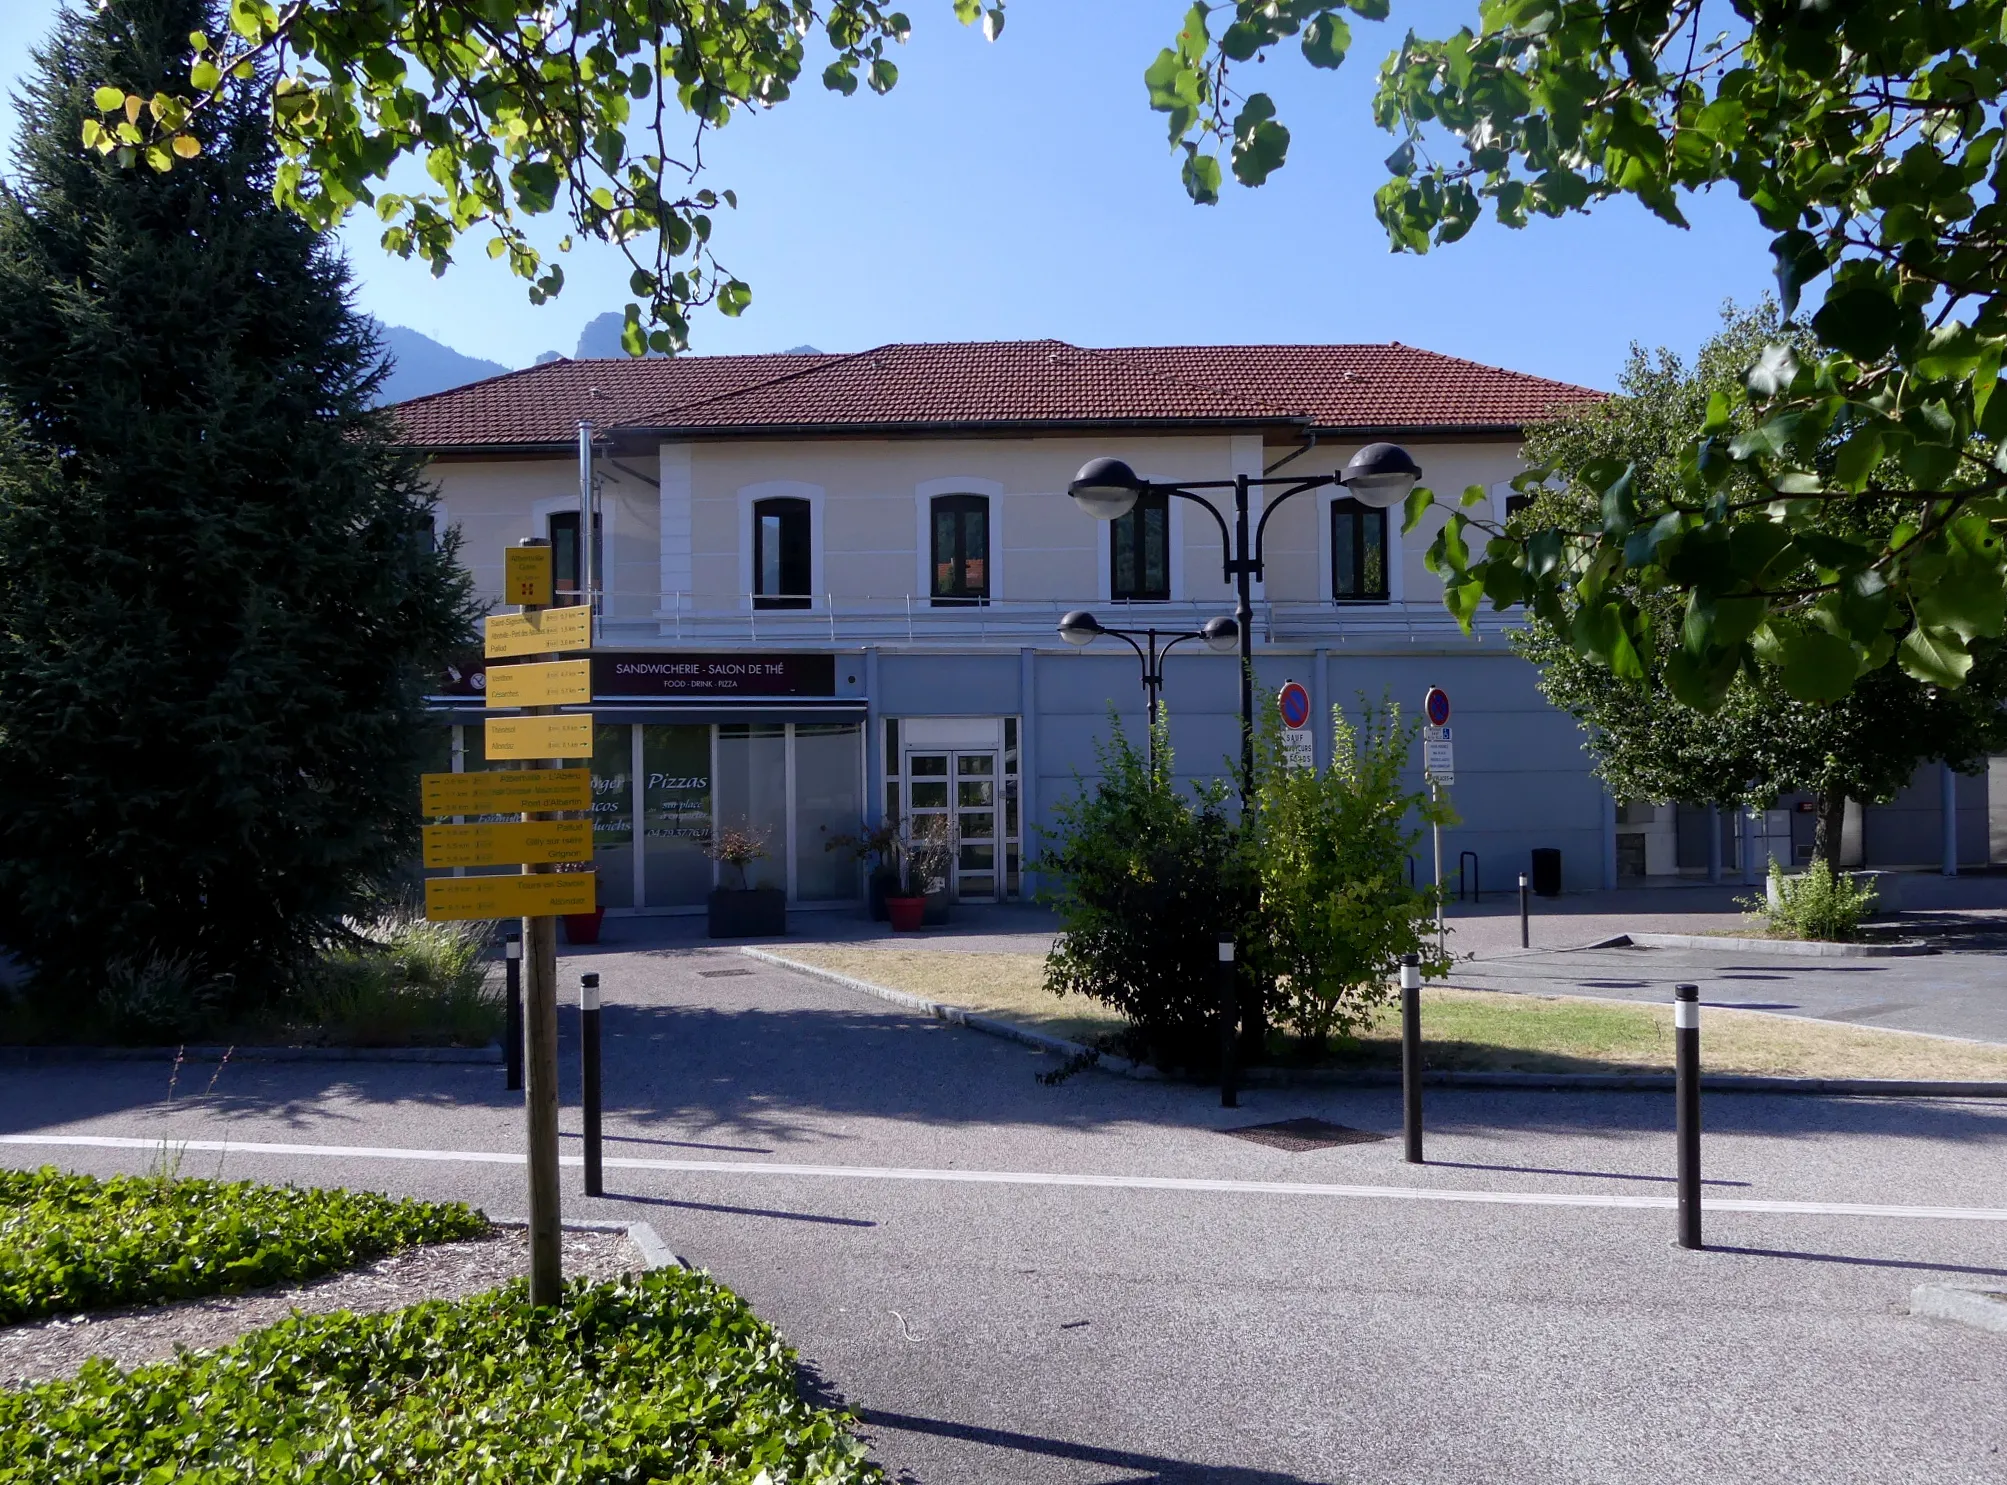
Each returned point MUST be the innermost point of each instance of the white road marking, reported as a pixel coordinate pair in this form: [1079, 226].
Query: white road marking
[1024, 1178]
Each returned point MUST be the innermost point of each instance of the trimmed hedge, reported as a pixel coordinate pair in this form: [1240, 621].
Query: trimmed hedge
[71, 1242]
[666, 1376]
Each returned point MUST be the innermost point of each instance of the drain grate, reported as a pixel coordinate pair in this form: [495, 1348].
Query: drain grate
[1298, 1135]
[720, 974]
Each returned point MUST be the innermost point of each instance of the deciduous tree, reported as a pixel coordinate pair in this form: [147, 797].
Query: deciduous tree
[1856, 519]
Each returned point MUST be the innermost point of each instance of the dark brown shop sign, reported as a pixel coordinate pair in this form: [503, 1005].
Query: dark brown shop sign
[658, 676]
[652, 676]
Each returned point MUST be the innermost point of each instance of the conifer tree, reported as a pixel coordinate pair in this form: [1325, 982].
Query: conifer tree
[220, 589]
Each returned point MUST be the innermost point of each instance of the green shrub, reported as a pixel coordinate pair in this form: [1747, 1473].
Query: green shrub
[1818, 903]
[667, 1376]
[401, 981]
[1146, 882]
[157, 997]
[72, 1242]
[1330, 852]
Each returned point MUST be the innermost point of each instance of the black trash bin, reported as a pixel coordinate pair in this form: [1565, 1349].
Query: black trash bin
[1547, 871]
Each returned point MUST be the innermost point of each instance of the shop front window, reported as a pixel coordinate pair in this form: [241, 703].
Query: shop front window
[613, 814]
[752, 795]
[828, 802]
[676, 815]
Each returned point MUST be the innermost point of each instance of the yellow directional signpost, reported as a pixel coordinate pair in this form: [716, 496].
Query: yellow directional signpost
[526, 576]
[540, 737]
[511, 843]
[536, 842]
[553, 630]
[508, 791]
[560, 683]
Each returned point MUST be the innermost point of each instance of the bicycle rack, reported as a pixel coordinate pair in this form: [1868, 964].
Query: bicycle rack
[1476, 883]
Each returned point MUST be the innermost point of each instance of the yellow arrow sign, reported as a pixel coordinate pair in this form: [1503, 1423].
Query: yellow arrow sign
[540, 737]
[558, 683]
[526, 575]
[509, 843]
[456, 899]
[542, 633]
[512, 792]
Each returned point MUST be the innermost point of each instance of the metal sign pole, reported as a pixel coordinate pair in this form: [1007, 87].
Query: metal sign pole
[1436, 829]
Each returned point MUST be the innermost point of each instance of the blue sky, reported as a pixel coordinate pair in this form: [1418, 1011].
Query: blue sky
[1025, 189]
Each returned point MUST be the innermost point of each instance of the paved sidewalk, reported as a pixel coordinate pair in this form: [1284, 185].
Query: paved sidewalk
[965, 1256]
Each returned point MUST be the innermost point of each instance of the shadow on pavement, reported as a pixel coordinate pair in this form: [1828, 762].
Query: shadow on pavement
[1854, 1261]
[749, 1078]
[731, 1211]
[1154, 1469]
[1542, 1170]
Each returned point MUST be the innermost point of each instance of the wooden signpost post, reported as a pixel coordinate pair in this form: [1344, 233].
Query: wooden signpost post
[535, 736]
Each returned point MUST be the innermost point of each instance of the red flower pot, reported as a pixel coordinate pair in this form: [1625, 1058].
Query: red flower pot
[583, 928]
[905, 913]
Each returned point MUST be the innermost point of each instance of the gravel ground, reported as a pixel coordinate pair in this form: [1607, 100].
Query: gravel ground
[57, 1348]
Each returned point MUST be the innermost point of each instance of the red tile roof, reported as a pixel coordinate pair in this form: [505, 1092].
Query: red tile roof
[1004, 384]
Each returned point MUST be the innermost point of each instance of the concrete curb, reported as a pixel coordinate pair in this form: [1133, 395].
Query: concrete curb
[1370, 1077]
[647, 1242]
[956, 1015]
[1787, 946]
[34, 1056]
[1973, 1307]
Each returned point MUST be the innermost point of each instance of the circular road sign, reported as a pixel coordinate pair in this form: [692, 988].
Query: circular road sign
[1294, 703]
[1436, 706]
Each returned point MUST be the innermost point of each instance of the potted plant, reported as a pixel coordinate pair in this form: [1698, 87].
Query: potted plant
[581, 928]
[933, 866]
[906, 903]
[877, 848]
[924, 863]
[744, 911]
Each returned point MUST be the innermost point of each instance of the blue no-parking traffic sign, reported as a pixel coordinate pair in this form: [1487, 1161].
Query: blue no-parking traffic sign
[1293, 701]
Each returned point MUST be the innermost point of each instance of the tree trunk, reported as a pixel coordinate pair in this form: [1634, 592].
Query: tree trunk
[1832, 820]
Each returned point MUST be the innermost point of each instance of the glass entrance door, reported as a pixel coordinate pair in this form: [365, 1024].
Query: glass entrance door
[964, 786]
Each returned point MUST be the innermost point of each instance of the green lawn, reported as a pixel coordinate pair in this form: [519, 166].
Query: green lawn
[1474, 1029]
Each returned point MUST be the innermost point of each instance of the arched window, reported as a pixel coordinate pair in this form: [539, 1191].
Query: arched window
[1139, 549]
[781, 555]
[1358, 552]
[960, 535]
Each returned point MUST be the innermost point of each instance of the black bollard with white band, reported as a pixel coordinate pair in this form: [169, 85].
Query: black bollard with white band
[588, 1040]
[1686, 1099]
[512, 1027]
[1525, 935]
[1411, 1055]
[1229, 1027]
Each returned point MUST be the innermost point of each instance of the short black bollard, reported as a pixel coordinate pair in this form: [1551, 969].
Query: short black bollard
[1686, 1115]
[588, 1040]
[512, 1027]
[1411, 1055]
[1229, 1026]
[1525, 934]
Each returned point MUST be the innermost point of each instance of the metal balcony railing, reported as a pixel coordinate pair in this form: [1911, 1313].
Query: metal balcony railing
[849, 621]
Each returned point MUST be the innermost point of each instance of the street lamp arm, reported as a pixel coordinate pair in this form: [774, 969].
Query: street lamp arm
[1226, 536]
[1270, 507]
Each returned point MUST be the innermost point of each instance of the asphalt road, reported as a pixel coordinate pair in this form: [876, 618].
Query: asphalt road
[1093, 1283]
[1963, 993]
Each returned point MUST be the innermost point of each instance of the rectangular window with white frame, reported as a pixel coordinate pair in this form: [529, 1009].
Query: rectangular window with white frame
[1139, 551]
[959, 536]
[1359, 568]
[782, 553]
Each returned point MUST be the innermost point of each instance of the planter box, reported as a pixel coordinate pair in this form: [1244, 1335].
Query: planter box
[937, 908]
[881, 885]
[757, 912]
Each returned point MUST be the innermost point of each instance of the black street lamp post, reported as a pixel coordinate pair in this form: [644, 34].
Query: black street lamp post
[1379, 475]
[1220, 635]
